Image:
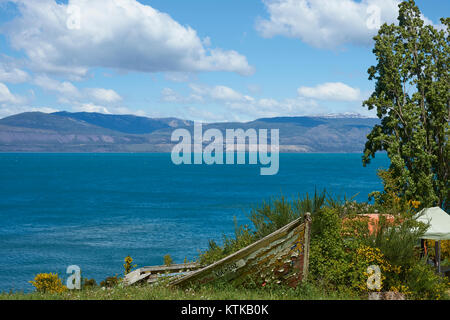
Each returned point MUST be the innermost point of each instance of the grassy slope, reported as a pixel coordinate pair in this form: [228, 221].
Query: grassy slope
[161, 292]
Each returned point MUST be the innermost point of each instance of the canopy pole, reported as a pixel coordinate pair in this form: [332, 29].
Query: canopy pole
[437, 248]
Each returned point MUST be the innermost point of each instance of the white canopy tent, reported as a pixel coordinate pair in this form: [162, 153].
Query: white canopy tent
[439, 221]
[439, 229]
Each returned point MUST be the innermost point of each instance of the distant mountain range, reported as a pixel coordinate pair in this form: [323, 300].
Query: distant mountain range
[96, 132]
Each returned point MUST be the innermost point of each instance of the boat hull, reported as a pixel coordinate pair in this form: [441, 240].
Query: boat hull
[281, 257]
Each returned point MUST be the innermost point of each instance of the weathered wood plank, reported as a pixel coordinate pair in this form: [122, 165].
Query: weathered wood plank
[171, 268]
[145, 272]
[134, 277]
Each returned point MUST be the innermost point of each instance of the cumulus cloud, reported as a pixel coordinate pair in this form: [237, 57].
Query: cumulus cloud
[90, 107]
[106, 95]
[327, 23]
[70, 94]
[177, 76]
[331, 91]
[239, 106]
[118, 34]
[6, 97]
[219, 93]
[65, 88]
[12, 74]
[170, 95]
[93, 107]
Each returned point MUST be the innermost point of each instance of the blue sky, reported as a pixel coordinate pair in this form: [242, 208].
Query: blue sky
[221, 60]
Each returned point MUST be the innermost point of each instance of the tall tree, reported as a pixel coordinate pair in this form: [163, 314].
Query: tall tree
[412, 99]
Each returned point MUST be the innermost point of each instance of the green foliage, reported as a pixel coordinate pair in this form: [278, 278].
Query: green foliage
[168, 260]
[277, 213]
[329, 259]
[110, 282]
[128, 265]
[425, 284]
[412, 99]
[308, 204]
[267, 218]
[341, 250]
[159, 291]
[398, 240]
[445, 249]
[48, 283]
[88, 283]
[392, 199]
[243, 237]
[348, 206]
[272, 215]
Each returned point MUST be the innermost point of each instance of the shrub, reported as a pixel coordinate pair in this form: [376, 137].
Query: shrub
[267, 218]
[366, 256]
[397, 238]
[168, 260]
[277, 213]
[424, 283]
[272, 215]
[128, 265]
[88, 283]
[341, 252]
[330, 255]
[110, 282]
[48, 283]
[243, 237]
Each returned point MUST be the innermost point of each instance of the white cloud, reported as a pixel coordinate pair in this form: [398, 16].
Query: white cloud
[327, 23]
[6, 97]
[118, 34]
[222, 103]
[12, 74]
[226, 94]
[219, 93]
[269, 107]
[70, 94]
[238, 106]
[90, 107]
[177, 76]
[331, 91]
[65, 88]
[105, 95]
[170, 95]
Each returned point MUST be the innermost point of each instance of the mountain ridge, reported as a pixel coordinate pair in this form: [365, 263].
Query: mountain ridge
[95, 132]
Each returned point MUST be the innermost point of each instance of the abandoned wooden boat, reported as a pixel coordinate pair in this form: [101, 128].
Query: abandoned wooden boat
[154, 273]
[281, 257]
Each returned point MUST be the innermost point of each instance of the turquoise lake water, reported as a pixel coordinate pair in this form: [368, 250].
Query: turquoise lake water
[92, 210]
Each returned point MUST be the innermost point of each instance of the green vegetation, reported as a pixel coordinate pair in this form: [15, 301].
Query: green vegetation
[48, 283]
[267, 218]
[128, 265]
[168, 260]
[161, 292]
[342, 252]
[412, 99]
